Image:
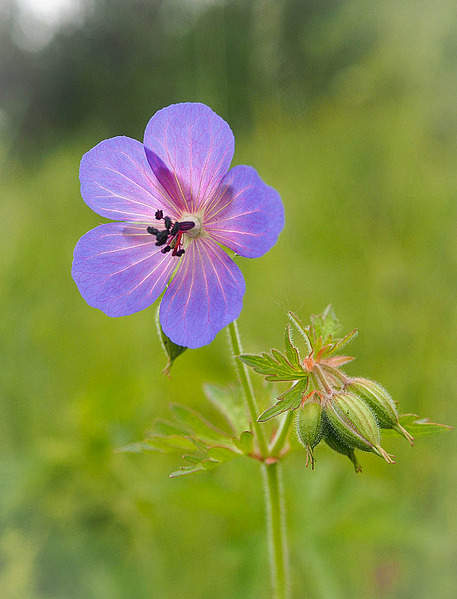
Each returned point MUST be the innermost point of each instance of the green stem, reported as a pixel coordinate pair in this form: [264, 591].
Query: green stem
[271, 475]
[276, 530]
[281, 434]
[245, 380]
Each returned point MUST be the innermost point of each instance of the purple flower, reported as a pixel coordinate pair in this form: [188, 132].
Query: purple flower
[178, 203]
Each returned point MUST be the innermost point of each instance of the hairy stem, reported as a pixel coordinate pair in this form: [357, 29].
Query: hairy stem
[245, 380]
[276, 530]
[281, 434]
[271, 476]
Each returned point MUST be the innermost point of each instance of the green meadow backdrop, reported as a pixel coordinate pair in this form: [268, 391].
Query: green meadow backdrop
[348, 108]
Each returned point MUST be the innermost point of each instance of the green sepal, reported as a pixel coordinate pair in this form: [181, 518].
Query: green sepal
[290, 400]
[335, 443]
[172, 350]
[274, 366]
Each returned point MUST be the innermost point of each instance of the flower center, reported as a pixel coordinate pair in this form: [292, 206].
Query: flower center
[171, 237]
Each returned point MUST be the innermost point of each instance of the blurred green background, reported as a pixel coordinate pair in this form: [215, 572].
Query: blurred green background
[348, 108]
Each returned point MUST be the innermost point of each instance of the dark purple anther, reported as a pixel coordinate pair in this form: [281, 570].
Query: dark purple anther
[162, 237]
[159, 214]
[187, 225]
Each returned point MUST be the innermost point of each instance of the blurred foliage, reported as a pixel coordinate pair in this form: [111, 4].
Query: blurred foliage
[348, 109]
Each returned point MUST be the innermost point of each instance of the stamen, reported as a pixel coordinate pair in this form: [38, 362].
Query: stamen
[162, 237]
[186, 225]
[171, 235]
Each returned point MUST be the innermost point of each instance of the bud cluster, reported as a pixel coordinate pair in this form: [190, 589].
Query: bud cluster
[348, 413]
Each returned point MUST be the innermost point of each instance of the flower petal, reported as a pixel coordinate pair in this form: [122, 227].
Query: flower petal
[195, 145]
[119, 269]
[247, 215]
[205, 295]
[118, 183]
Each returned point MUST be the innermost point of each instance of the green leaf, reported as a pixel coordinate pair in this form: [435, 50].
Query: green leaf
[340, 343]
[290, 400]
[163, 427]
[422, 426]
[305, 347]
[187, 470]
[196, 425]
[324, 327]
[138, 447]
[274, 366]
[221, 454]
[291, 351]
[230, 404]
[171, 350]
[170, 444]
[211, 459]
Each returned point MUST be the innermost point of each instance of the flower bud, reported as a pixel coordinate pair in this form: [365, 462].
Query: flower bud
[380, 401]
[336, 444]
[309, 427]
[355, 424]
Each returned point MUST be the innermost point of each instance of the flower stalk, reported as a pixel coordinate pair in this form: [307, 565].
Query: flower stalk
[248, 391]
[274, 500]
[277, 540]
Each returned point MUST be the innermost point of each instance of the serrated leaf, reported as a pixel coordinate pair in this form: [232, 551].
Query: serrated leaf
[290, 400]
[138, 447]
[302, 331]
[221, 454]
[291, 351]
[187, 470]
[231, 405]
[192, 458]
[324, 327]
[164, 427]
[274, 367]
[172, 350]
[245, 443]
[196, 425]
[170, 444]
[422, 426]
[340, 343]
